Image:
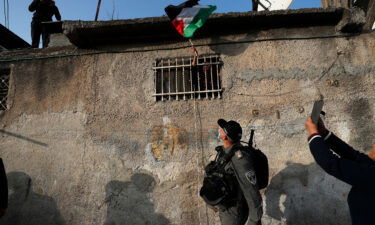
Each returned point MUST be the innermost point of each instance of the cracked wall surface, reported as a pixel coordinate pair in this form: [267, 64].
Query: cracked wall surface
[84, 137]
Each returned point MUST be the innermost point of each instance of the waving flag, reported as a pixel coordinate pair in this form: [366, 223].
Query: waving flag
[189, 16]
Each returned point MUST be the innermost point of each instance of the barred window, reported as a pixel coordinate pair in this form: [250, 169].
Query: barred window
[4, 88]
[178, 79]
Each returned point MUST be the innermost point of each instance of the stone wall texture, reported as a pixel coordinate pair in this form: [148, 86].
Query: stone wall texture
[85, 142]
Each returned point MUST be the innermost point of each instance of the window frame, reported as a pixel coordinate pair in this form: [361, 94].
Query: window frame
[180, 71]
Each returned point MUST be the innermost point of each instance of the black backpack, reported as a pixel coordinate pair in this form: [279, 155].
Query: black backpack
[260, 163]
[261, 168]
[218, 187]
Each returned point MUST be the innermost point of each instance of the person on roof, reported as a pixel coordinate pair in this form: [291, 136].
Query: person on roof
[43, 10]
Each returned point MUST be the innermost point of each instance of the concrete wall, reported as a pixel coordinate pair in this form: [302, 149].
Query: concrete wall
[336, 3]
[84, 142]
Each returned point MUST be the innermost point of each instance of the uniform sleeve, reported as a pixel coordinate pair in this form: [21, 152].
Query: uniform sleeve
[247, 180]
[351, 172]
[33, 5]
[3, 187]
[57, 14]
[344, 150]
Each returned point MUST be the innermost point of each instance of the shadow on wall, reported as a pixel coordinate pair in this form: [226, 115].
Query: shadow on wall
[48, 80]
[304, 194]
[362, 131]
[23, 138]
[27, 207]
[218, 44]
[130, 203]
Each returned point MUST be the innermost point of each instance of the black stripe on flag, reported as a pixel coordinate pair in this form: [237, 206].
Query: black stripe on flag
[173, 11]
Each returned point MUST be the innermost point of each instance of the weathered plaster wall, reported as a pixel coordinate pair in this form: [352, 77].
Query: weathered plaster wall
[335, 3]
[84, 142]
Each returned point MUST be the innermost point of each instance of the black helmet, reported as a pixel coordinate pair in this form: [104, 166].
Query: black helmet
[231, 128]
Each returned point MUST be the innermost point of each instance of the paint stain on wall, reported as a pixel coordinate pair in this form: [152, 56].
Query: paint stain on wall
[167, 140]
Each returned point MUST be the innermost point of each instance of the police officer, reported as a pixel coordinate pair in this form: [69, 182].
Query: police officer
[44, 11]
[247, 205]
[350, 166]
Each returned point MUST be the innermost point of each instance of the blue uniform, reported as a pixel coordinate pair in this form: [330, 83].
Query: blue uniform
[352, 167]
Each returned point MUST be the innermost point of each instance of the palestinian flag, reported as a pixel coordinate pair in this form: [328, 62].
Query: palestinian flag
[189, 16]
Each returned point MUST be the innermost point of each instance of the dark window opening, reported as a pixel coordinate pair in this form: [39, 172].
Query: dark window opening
[178, 79]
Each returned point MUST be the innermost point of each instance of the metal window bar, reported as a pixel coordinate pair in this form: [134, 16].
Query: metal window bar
[218, 79]
[169, 77]
[162, 82]
[176, 77]
[191, 78]
[4, 88]
[188, 92]
[199, 82]
[212, 79]
[155, 78]
[180, 66]
[205, 75]
[208, 66]
[183, 77]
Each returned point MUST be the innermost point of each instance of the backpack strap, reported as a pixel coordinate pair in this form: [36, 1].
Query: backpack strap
[226, 157]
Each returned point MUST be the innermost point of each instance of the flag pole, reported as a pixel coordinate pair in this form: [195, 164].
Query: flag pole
[195, 53]
[97, 10]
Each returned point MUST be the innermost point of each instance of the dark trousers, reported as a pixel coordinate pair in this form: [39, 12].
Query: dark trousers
[255, 5]
[37, 30]
[235, 215]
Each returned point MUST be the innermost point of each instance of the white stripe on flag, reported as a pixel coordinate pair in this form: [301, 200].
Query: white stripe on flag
[189, 12]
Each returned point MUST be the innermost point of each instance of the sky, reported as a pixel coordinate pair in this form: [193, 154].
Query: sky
[20, 17]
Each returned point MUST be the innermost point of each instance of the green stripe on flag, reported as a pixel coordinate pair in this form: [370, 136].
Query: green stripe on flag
[198, 20]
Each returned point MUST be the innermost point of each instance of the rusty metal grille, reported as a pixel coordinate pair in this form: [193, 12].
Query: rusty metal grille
[4, 88]
[178, 79]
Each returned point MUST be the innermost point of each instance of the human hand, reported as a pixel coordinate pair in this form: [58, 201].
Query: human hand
[310, 126]
[195, 56]
[372, 152]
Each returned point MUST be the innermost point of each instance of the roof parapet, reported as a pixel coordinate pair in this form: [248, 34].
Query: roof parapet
[153, 29]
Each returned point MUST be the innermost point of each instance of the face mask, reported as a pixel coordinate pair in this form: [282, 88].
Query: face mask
[218, 135]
